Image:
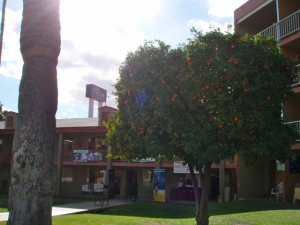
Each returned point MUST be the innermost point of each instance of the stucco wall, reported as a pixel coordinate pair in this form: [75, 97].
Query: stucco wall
[254, 180]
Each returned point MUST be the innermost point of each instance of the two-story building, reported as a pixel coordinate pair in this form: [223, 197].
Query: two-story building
[279, 19]
[81, 158]
[81, 161]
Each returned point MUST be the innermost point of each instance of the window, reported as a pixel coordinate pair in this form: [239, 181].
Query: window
[91, 143]
[68, 144]
[95, 143]
[101, 144]
[67, 175]
[96, 176]
[147, 177]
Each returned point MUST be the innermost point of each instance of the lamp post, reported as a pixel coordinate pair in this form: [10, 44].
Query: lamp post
[2, 27]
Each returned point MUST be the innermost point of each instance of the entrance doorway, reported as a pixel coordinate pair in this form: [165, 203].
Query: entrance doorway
[131, 186]
[115, 181]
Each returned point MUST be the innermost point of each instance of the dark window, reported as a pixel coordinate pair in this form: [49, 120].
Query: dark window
[95, 143]
[68, 144]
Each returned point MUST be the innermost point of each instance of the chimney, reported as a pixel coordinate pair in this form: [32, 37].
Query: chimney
[10, 120]
[104, 113]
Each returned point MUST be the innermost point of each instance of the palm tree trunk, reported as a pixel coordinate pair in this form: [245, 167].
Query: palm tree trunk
[32, 173]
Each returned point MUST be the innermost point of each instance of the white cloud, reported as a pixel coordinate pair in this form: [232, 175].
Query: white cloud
[219, 10]
[96, 37]
[223, 8]
[109, 27]
[206, 26]
[11, 58]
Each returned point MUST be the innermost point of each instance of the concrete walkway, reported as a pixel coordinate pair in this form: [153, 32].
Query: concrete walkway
[77, 208]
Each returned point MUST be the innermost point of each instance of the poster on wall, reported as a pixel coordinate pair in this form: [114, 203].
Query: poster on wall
[159, 185]
[86, 156]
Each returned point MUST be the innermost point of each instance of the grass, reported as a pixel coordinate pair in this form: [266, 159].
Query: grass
[244, 212]
[3, 201]
[57, 200]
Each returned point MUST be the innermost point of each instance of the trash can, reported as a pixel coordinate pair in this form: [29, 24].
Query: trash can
[226, 194]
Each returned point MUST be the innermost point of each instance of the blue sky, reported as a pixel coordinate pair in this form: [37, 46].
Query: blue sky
[96, 37]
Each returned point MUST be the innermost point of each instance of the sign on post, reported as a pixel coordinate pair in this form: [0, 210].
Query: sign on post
[95, 92]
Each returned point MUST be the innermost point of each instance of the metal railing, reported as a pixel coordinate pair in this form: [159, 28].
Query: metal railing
[269, 32]
[284, 27]
[297, 126]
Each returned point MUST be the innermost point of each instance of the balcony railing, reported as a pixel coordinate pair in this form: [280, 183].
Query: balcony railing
[297, 126]
[285, 27]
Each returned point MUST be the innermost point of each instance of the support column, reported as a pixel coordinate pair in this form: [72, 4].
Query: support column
[277, 24]
[157, 164]
[221, 181]
[58, 164]
[108, 168]
[91, 107]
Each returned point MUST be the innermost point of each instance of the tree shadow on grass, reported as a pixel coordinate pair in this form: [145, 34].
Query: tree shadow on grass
[245, 206]
[187, 210]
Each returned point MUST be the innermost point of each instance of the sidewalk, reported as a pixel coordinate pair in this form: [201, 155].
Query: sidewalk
[76, 208]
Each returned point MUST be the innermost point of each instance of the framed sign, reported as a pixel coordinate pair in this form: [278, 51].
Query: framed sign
[87, 156]
[95, 92]
[179, 167]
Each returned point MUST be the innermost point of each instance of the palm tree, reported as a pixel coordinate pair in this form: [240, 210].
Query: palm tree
[32, 173]
[2, 27]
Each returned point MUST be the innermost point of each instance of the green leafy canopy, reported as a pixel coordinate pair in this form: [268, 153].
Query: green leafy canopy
[204, 101]
[2, 113]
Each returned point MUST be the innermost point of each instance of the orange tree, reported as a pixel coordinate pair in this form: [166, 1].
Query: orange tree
[205, 101]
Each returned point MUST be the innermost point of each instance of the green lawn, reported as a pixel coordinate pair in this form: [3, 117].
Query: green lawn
[3, 202]
[57, 200]
[3, 208]
[245, 212]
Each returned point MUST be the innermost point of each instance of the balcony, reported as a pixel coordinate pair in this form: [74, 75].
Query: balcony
[283, 28]
[297, 126]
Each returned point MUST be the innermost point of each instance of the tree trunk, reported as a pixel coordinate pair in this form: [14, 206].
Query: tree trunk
[32, 173]
[202, 216]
